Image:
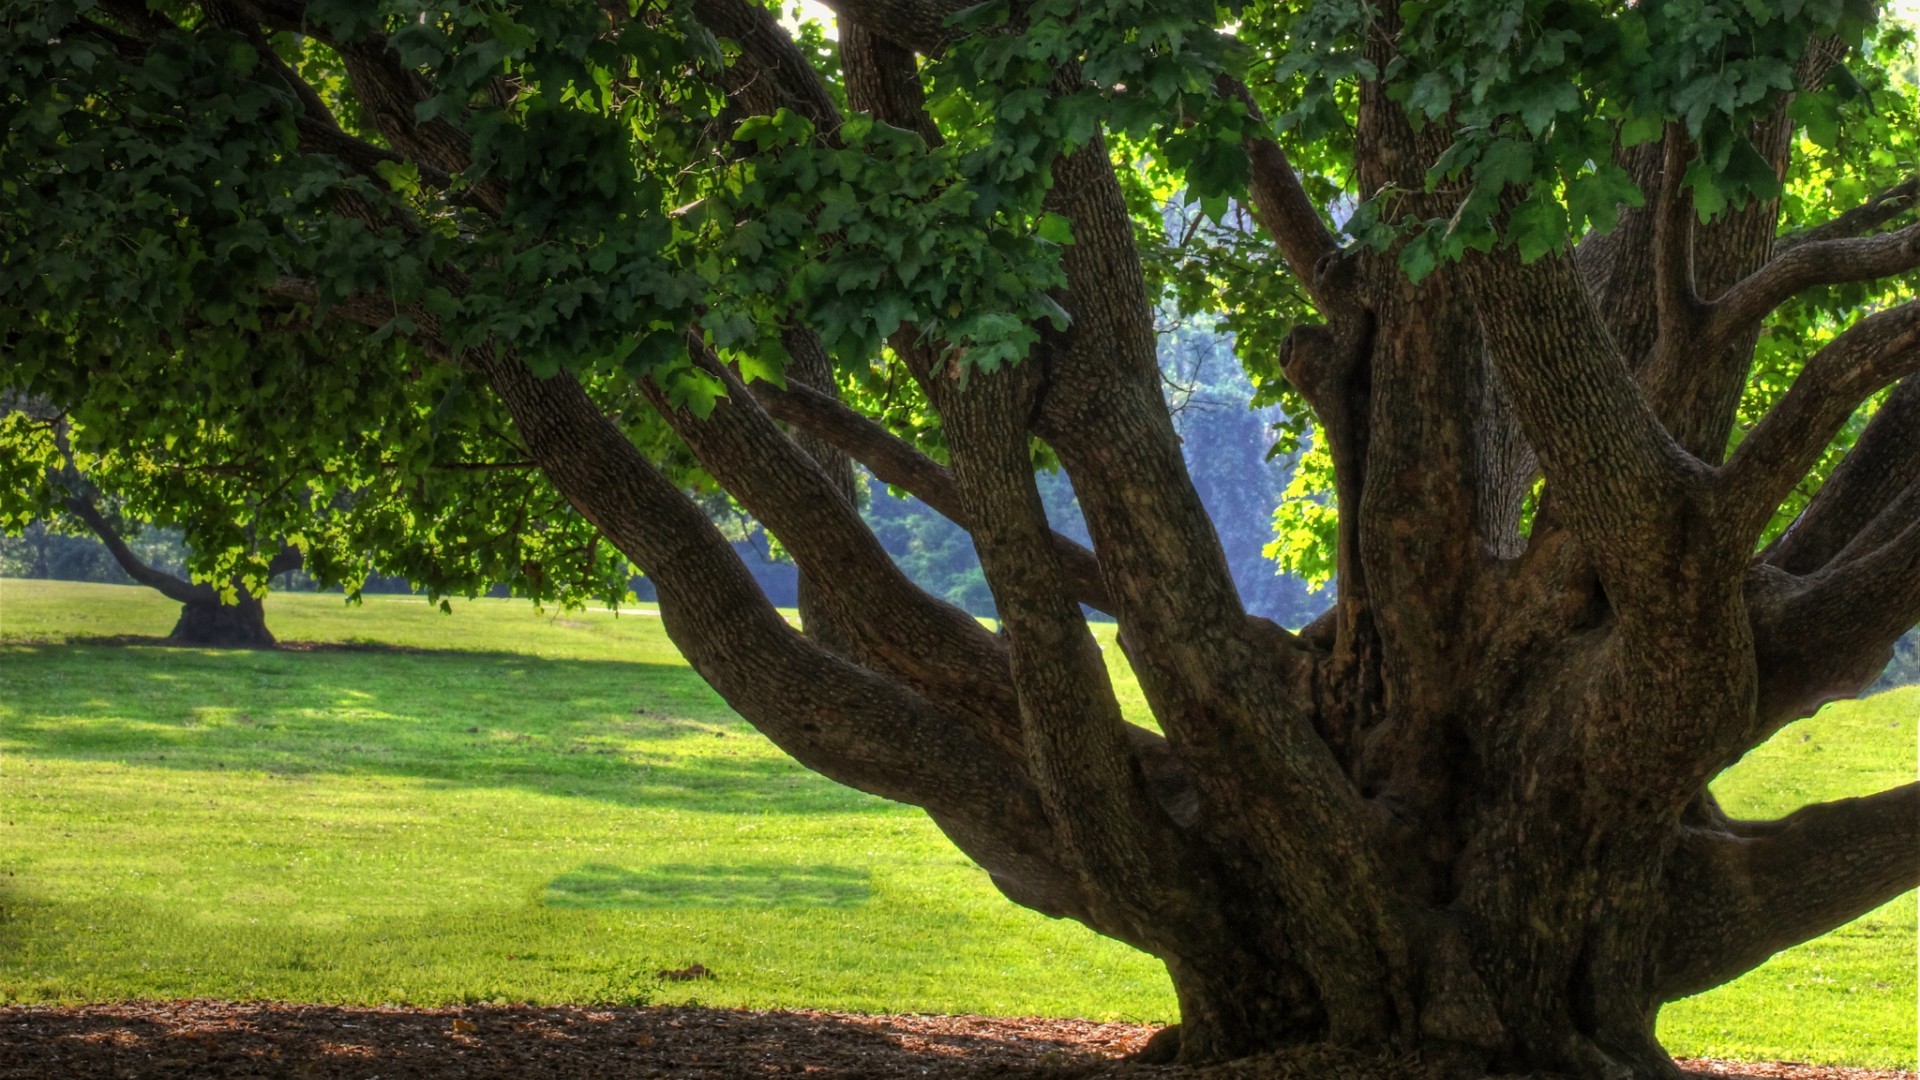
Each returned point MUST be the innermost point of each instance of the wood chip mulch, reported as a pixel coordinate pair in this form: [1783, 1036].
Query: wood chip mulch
[219, 1040]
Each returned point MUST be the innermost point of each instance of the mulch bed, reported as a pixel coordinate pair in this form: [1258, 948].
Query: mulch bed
[257, 1041]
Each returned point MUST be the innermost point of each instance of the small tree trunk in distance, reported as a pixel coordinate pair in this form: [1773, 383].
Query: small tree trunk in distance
[205, 618]
[238, 625]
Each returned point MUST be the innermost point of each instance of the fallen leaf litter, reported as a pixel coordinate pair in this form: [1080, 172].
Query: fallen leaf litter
[218, 1040]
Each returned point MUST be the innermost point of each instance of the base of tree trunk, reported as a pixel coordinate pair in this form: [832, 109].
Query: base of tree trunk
[242, 625]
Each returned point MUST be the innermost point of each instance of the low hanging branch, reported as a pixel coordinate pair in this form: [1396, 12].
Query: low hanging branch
[1739, 897]
[1388, 832]
[173, 588]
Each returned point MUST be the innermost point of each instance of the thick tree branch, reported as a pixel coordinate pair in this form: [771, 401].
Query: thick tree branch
[1819, 262]
[1078, 749]
[894, 461]
[808, 359]
[1696, 390]
[1232, 698]
[1738, 896]
[173, 588]
[1859, 220]
[286, 560]
[1103, 411]
[1618, 265]
[1676, 304]
[1506, 468]
[1883, 463]
[834, 716]
[936, 649]
[777, 74]
[920, 25]
[883, 79]
[1619, 479]
[1788, 440]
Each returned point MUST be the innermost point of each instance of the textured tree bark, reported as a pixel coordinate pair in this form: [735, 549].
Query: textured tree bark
[205, 617]
[242, 624]
[1464, 817]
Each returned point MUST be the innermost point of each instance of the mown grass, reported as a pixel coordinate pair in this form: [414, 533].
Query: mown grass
[551, 807]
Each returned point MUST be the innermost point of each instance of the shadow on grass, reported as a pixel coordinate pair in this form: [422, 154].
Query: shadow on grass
[598, 885]
[629, 733]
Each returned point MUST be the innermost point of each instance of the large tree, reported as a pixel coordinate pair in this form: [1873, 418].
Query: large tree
[1465, 813]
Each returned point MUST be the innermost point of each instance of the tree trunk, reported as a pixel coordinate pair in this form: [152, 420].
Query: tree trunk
[205, 618]
[238, 625]
[1463, 817]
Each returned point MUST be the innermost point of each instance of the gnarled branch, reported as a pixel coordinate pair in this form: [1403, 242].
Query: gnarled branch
[1739, 895]
[894, 461]
[1819, 262]
[1786, 442]
[1883, 463]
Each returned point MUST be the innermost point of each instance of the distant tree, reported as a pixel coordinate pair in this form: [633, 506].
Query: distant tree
[427, 492]
[49, 487]
[1619, 291]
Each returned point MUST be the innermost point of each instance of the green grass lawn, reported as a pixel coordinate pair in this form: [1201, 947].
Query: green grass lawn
[551, 807]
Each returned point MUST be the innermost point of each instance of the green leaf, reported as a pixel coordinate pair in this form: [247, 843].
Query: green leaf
[1596, 197]
[1537, 226]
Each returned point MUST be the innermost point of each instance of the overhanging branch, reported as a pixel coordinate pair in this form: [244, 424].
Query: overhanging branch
[1788, 440]
[894, 461]
[1807, 265]
[1738, 896]
[1858, 221]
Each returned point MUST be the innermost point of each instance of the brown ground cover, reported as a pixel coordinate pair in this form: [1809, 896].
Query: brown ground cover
[242, 1041]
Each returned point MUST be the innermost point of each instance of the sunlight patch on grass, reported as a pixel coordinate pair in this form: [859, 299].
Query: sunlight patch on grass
[508, 805]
